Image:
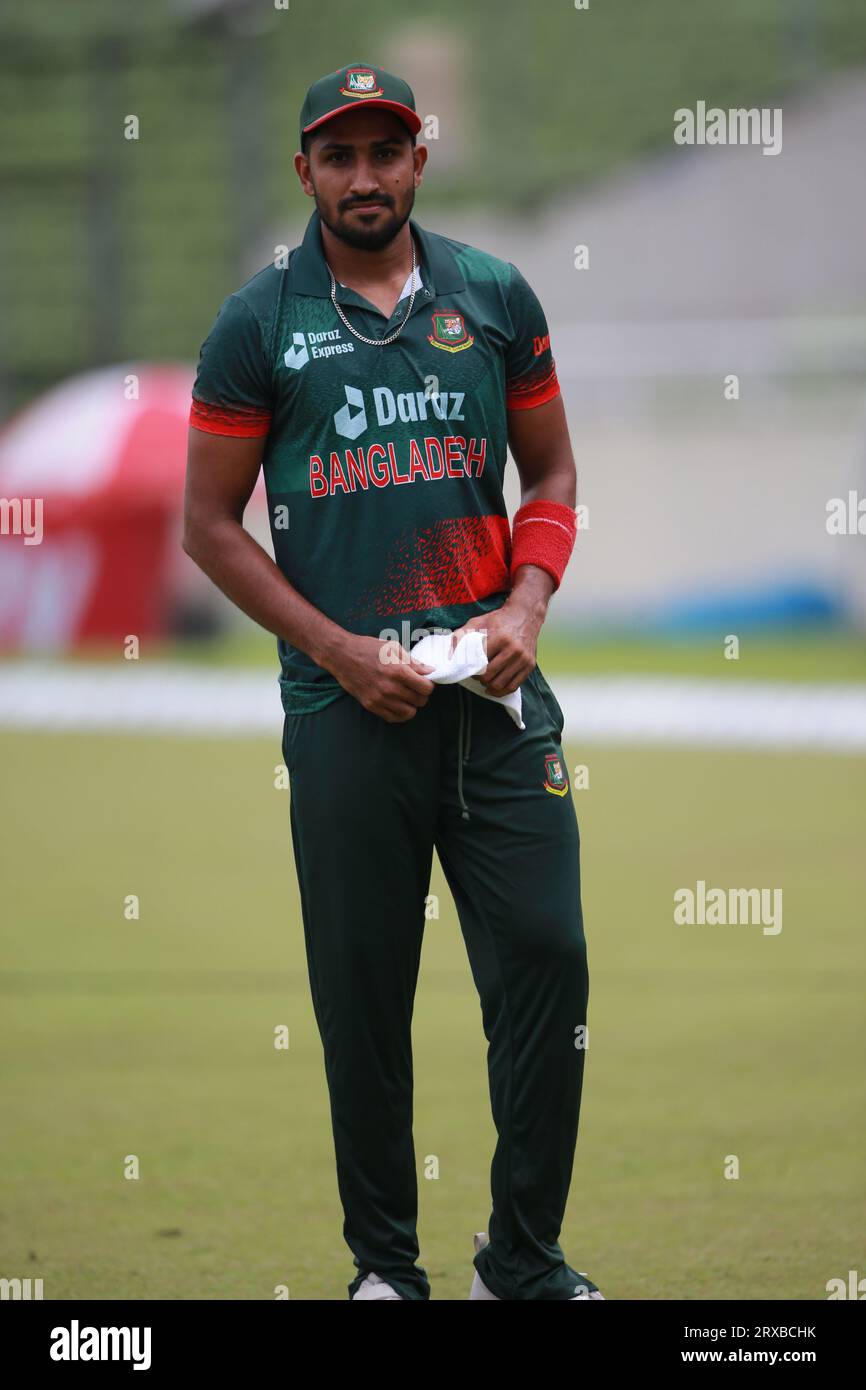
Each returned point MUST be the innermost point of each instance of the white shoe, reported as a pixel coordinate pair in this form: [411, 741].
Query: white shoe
[374, 1287]
[480, 1290]
[587, 1293]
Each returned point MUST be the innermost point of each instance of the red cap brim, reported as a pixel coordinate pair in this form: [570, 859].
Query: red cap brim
[406, 114]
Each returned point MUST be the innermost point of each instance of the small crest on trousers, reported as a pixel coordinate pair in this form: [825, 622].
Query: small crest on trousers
[555, 779]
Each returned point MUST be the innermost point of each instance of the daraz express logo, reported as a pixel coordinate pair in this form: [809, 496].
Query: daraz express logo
[307, 345]
[407, 406]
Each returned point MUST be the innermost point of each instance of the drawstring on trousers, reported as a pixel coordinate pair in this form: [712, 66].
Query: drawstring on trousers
[463, 699]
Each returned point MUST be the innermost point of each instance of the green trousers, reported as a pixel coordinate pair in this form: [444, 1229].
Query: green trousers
[369, 803]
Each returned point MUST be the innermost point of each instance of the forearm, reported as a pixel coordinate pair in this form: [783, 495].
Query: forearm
[532, 587]
[247, 575]
[531, 591]
[541, 445]
[557, 484]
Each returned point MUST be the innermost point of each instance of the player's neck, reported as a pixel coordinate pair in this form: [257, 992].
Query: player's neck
[352, 266]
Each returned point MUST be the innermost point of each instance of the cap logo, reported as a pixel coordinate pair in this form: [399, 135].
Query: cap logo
[361, 82]
[449, 333]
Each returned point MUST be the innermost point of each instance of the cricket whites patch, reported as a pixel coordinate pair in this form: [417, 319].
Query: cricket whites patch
[450, 333]
[555, 779]
[361, 82]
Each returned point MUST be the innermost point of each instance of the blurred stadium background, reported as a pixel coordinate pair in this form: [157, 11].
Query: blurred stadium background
[707, 518]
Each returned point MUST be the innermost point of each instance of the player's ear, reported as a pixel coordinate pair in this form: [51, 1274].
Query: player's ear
[302, 169]
[419, 157]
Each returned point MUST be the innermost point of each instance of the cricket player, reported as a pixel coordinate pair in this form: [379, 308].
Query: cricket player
[378, 374]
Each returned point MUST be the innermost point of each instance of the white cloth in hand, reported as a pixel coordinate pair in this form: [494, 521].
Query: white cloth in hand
[467, 660]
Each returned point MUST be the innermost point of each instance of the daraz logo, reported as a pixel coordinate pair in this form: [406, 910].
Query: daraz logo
[407, 406]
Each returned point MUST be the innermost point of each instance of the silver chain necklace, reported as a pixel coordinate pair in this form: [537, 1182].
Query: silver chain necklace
[375, 342]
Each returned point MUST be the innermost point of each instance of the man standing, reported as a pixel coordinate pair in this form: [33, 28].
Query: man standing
[379, 376]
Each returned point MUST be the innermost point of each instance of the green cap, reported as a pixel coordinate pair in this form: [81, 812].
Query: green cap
[358, 84]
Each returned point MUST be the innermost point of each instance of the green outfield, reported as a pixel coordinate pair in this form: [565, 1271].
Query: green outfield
[154, 1037]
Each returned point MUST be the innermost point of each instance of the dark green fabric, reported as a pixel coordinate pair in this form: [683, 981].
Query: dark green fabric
[369, 803]
[383, 466]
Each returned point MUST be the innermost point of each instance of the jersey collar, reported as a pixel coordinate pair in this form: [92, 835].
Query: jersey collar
[310, 272]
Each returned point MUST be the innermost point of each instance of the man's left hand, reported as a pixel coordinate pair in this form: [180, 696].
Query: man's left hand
[512, 637]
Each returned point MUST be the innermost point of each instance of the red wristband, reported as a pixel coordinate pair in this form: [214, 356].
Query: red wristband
[543, 534]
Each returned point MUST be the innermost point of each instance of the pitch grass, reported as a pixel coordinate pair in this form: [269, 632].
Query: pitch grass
[155, 1038]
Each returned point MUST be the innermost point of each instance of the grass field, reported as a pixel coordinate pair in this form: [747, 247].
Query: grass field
[155, 1037]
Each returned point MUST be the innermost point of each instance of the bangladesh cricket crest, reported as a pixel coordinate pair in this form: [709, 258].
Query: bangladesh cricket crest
[449, 333]
[361, 82]
[555, 779]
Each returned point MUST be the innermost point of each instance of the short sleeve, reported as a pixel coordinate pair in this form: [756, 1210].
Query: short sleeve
[530, 371]
[232, 393]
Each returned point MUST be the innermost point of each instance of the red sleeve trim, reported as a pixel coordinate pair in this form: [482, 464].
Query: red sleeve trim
[529, 394]
[242, 421]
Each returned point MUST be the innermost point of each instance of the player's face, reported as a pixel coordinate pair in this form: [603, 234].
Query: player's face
[362, 167]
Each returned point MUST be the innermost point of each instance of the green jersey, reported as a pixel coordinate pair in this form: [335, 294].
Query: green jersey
[383, 465]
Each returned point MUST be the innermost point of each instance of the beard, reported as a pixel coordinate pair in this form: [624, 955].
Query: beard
[367, 238]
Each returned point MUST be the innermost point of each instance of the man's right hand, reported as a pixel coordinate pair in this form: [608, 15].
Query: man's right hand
[383, 677]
